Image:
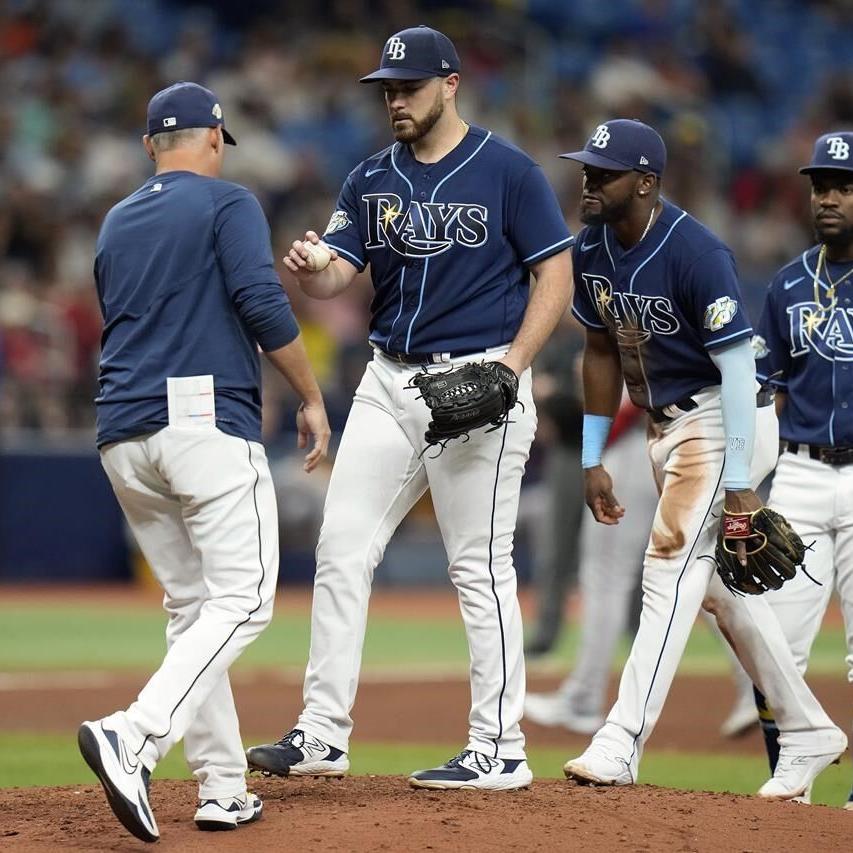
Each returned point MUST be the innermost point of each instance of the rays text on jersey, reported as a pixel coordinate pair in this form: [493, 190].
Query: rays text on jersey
[829, 334]
[423, 229]
[635, 311]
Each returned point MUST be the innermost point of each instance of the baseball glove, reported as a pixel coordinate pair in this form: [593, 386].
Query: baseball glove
[773, 551]
[469, 397]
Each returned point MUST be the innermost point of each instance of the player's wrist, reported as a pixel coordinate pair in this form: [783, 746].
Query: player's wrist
[596, 428]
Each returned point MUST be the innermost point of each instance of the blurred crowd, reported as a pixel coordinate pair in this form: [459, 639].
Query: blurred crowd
[739, 89]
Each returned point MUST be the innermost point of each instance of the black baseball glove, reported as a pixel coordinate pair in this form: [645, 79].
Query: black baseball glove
[773, 551]
[471, 396]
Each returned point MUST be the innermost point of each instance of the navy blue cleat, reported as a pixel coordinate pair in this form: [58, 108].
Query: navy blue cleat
[298, 754]
[472, 770]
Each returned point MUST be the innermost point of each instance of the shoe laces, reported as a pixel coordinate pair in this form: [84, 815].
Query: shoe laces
[458, 759]
[482, 762]
[295, 737]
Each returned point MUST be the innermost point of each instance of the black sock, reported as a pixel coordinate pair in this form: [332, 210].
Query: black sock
[768, 728]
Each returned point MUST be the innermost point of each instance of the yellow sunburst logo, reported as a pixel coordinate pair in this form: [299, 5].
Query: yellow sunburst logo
[390, 213]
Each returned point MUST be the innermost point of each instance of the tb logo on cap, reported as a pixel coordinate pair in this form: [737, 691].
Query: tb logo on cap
[838, 148]
[396, 48]
[601, 136]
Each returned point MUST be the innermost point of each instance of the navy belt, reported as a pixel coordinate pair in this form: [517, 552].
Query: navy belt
[827, 455]
[424, 357]
[763, 398]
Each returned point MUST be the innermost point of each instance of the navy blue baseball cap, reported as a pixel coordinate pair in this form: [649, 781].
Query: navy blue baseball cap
[185, 105]
[831, 151]
[623, 145]
[415, 54]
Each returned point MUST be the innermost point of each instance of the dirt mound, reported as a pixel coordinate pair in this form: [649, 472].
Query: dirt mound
[383, 813]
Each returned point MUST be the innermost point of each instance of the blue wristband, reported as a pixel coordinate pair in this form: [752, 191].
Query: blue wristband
[596, 428]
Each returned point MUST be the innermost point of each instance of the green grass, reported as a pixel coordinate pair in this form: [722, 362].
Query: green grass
[54, 638]
[83, 637]
[37, 759]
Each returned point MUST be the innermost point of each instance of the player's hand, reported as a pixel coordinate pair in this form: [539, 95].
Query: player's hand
[742, 501]
[598, 493]
[296, 260]
[311, 422]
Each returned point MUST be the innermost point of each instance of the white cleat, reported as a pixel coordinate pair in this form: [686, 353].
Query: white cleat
[228, 812]
[795, 772]
[123, 777]
[743, 718]
[474, 771]
[595, 767]
[553, 709]
[805, 798]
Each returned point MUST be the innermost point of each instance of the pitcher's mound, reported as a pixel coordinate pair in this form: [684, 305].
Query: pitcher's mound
[365, 813]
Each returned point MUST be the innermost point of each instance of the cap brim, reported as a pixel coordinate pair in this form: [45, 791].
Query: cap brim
[229, 139]
[808, 170]
[401, 74]
[589, 158]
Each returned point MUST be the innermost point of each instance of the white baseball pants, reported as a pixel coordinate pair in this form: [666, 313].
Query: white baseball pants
[687, 455]
[381, 469]
[817, 500]
[202, 508]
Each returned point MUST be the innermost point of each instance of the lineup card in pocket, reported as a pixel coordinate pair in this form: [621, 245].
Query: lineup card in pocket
[191, 401]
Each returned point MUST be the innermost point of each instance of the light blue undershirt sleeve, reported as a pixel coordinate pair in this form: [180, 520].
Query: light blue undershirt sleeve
[736, 364]
[596, 428]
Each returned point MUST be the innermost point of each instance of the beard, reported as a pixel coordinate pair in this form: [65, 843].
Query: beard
[419, 129]
[614, 212]
[836, 237]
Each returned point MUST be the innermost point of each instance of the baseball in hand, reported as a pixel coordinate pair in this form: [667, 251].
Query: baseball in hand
[318, 256]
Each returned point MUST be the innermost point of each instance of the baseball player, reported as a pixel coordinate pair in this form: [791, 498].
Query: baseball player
[804, 347]
[188, 291]
[452, 220]
[659, 296]
[608, 584]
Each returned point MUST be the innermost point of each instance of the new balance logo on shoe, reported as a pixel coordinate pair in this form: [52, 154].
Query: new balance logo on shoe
[476, 771]
[298, 754]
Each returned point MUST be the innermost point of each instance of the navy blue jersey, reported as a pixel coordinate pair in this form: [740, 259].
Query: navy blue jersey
[808, 353]
[187, 286]
[449, 243]
[667, 301]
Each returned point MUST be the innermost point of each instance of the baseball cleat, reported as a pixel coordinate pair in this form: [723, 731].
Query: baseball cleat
[228, 813]
[474, 771]
[553, 709]
[805, 798]
[848, 806]
[795, 772]
[298, 754]
[123, 776]
[742, 719]
[595, 767]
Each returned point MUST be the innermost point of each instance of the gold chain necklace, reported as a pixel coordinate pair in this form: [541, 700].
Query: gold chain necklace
[819, 315]
[649, 225]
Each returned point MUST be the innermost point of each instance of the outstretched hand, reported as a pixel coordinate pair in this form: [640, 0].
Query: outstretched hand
[598, 492]
[296, 260]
